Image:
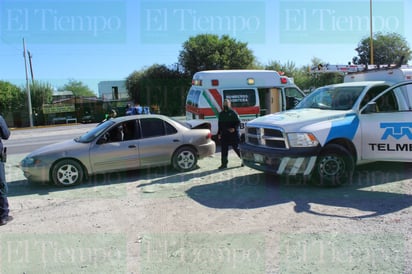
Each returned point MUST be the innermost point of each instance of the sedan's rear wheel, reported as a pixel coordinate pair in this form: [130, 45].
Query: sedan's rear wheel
[67, 173]
[184, 159]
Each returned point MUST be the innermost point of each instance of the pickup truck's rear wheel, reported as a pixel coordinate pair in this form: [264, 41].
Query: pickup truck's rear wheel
[334, 167]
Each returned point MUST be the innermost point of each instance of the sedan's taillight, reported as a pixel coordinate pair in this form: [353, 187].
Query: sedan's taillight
[209, 136]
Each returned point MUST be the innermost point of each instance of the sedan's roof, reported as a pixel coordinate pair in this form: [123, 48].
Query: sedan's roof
[132, 117]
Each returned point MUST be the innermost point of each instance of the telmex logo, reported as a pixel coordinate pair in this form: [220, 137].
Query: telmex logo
[397, 130]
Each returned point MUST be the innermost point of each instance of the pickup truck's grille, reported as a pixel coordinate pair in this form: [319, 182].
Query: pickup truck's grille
[269, 137]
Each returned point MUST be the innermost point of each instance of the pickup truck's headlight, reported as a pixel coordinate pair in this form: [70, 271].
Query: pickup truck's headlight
[302, 140]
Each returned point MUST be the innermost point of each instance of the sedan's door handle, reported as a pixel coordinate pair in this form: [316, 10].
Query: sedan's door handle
[176, 140]
[132, 146]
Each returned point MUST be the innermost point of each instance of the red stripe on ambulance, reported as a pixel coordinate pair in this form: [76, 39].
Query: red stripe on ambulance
[216, 95]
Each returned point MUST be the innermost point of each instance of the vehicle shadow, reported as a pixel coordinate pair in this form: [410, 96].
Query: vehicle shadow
[24, 187]
[366, 193]
[171, 176]
[155, 175]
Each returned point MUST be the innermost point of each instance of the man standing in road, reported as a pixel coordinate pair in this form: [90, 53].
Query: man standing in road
[228, 132]
[4, 204]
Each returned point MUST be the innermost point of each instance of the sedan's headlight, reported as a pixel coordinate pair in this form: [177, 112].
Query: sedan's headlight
[29, 161]
[302, 140]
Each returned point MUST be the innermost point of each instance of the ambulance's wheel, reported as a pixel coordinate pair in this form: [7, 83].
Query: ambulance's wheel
[334, 167]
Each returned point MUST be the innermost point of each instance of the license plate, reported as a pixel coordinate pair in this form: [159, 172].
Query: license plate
[258, 158]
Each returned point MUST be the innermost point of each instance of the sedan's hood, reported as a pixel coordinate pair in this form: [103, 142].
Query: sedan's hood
[65, 146]
[297, 118]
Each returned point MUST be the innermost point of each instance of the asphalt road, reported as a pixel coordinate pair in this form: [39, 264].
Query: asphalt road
[27, 139]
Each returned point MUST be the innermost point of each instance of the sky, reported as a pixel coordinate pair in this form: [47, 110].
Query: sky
[103, 40]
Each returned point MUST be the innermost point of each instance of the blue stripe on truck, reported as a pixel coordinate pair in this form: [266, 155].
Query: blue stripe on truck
[345, 127]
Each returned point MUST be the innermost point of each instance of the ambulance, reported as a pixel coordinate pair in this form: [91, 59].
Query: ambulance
[336, 128]
[251, 92]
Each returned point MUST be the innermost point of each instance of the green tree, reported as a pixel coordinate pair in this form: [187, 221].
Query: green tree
[320, 79]
[289, 69]
[78, 88]
[132, 85]
[160, 87]
[208, 51]
[13, 104]
[387, 49]
[40, 93]
[300, 76]
[303, 78]
[12, 98]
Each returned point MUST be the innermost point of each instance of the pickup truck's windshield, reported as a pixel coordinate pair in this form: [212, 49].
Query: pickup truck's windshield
[329, 97]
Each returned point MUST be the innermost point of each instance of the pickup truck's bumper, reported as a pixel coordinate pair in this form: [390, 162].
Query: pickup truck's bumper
[297, 161]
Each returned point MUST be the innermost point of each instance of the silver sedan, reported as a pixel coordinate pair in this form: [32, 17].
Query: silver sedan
[124, 143]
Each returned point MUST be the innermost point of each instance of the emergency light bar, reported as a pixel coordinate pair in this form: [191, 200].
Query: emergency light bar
[196, 82]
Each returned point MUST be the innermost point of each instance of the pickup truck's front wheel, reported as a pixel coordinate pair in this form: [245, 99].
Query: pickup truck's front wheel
[334, 167]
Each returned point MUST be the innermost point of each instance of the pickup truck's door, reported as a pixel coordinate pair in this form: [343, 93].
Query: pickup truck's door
[387, 133]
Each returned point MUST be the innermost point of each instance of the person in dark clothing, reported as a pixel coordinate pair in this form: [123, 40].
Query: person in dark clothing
[228, 132]
[4, 204]
[129, 109]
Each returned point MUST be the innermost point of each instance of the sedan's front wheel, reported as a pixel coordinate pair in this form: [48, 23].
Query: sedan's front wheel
[184, 159]
[67, 173]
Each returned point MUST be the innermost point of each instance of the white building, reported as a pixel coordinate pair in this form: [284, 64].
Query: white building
[113, 90]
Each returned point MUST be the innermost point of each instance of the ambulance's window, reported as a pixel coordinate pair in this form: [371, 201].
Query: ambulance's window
[193, 97]
[293, 97]
[196, 97]
[241, 97]
[189, 100]
[293, 92]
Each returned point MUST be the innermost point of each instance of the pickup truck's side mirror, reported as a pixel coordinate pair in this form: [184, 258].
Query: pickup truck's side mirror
[371, 108]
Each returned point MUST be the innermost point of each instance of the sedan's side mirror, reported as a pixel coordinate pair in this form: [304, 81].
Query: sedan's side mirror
[104, 139]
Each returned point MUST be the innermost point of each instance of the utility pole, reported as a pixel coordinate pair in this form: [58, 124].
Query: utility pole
[31, 67]
[27, 86]
[371, 34]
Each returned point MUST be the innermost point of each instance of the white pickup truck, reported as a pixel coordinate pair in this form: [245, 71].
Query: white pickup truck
[332, 130]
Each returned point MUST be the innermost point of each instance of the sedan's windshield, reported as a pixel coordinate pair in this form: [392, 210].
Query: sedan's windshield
[329, 97]
[92, 134]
